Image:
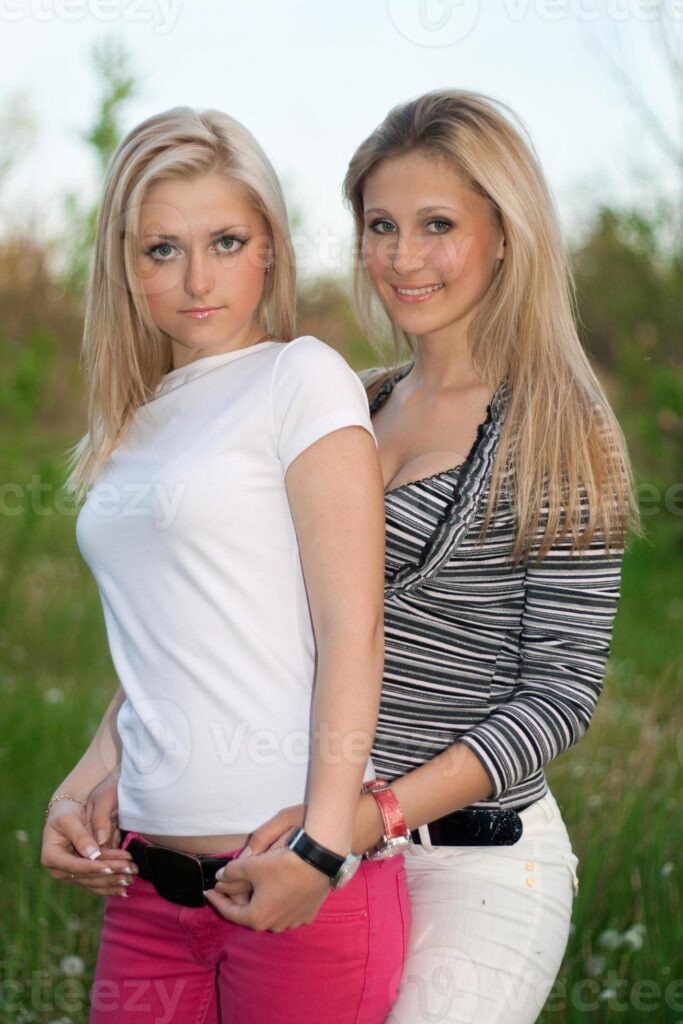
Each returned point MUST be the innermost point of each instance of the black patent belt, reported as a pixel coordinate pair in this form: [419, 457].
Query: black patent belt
[177, 876]
[479, 826]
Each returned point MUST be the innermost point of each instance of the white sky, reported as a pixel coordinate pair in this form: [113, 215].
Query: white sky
[311, 78]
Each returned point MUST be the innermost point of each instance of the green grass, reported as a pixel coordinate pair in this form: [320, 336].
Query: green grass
[619, 789]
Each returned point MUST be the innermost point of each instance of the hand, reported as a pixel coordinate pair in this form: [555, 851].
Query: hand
[101, 812]
[271, 835]
[71, 853]
[287, 892]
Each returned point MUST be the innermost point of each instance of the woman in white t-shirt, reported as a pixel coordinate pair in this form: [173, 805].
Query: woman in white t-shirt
[233, 520]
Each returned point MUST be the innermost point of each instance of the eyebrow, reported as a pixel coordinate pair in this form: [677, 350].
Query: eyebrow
[212, 234]
[424, 209]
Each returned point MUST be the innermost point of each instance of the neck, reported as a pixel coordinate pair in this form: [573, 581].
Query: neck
[443, 361]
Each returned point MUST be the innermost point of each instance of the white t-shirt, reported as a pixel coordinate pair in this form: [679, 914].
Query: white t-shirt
[189, 534]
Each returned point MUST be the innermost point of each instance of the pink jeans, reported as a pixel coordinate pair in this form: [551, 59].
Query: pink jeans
[159, 962]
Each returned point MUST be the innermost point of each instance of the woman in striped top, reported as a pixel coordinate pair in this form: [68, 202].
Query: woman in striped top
[509, 496]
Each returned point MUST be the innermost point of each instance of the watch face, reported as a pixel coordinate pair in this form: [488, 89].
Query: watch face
[347, 870]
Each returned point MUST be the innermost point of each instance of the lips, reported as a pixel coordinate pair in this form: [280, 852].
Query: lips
[421, 293]
[201, 313]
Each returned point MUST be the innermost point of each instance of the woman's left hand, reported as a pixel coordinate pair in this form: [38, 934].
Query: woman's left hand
[287, 892]
[271, 835]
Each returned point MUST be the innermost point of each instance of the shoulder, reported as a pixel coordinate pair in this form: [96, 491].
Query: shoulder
[308, 353]
[309, 362]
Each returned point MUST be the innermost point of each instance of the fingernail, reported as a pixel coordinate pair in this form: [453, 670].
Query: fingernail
[124, 881]
[124, 894]
[129, 871]
[107, 871]
[219, 874]
[92, 852]
[101, 835]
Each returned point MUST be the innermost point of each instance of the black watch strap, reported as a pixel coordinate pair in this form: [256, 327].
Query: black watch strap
[316, 855]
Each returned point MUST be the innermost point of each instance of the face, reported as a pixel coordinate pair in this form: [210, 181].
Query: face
[202, 251]
[431, 245]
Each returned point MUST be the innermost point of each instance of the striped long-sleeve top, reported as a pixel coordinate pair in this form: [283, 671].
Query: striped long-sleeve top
[508, 661]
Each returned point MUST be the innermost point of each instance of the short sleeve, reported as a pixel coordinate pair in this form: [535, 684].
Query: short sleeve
[314, 391]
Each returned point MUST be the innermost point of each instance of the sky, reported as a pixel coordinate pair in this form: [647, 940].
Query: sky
[311, 78]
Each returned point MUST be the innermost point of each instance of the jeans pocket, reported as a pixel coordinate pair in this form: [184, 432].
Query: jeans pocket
[571, 860]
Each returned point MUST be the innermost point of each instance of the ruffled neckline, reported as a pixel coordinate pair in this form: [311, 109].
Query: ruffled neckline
[472, 478]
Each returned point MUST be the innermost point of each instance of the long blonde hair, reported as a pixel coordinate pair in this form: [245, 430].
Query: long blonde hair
[562, 459]
[123, 353]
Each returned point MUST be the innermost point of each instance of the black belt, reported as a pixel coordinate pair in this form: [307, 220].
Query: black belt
[479, 826]
[177, 876]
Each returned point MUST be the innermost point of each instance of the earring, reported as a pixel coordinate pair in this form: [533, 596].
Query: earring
[269, 265]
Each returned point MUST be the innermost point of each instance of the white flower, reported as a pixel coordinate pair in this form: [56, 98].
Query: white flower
[595, 965]
[607, 994]
[667, 869]
[53, 696]
[74, 923]
[634, 936]
[21, 836]
[610, 939]
[72, 966]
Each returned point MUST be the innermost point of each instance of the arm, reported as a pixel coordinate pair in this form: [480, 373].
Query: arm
[103, 756]
[335, 492]
[566, 630]
[70, 850]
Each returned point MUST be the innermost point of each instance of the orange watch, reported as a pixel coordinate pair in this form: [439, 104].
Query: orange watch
[396, 835]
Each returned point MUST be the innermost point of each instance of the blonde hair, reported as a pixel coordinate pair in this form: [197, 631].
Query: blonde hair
[562, 455]
[123, 353]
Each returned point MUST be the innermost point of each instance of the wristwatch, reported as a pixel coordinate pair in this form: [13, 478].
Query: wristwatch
[396, 835]
[340, 870]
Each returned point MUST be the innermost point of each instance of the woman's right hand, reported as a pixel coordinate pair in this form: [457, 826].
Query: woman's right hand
[71, 852]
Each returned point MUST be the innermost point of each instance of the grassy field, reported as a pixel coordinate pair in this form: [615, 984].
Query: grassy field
[617, 789]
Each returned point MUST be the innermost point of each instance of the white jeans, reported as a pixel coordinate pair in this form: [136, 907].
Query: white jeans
[489, 925]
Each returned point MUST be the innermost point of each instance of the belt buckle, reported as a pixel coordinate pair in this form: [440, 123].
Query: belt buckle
[477, 826]
[176, 876]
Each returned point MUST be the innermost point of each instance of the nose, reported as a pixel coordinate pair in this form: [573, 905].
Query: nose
[199, 279]
[407, 255]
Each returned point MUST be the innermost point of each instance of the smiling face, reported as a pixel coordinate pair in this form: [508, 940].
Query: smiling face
[202, 251]
[431, 244]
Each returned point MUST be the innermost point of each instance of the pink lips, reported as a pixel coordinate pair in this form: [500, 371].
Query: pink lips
[202, 313]
[416, 297]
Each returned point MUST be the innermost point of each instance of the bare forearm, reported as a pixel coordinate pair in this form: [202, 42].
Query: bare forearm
[453, 779]
[346, 708]
[102, 757]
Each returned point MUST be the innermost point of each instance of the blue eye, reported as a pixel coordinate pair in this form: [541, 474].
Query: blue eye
[375, 226]
[443, 226]
[156, 251]
[234, 242]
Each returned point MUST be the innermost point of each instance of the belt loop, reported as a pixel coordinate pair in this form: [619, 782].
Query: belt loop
[425, 837]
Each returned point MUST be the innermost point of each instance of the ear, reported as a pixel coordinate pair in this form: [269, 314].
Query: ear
[500, 255]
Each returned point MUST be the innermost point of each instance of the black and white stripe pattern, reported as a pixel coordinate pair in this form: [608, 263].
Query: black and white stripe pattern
[508, 661]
